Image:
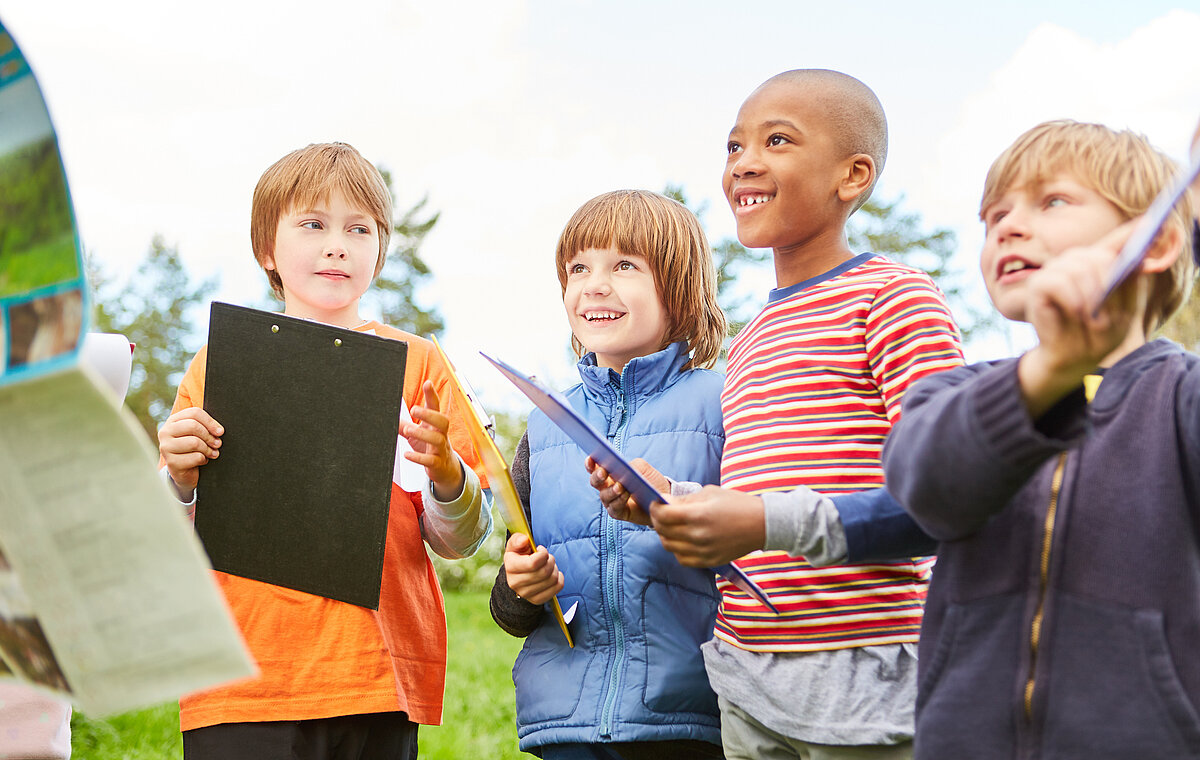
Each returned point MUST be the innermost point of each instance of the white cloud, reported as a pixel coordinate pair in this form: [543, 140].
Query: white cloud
[1149, 82]
[167, 115]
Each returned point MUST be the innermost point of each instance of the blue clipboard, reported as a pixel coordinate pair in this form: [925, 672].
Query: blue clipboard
[559, 410]
[1138, 244]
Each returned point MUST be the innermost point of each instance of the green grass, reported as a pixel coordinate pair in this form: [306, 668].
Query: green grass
[478, 719]
[45, 264]
[150, 734]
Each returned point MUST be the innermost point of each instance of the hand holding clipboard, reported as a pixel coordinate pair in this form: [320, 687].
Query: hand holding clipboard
[499, 477]
[559, 410]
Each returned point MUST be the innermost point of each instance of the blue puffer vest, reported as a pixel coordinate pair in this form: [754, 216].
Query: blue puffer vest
[636, 673]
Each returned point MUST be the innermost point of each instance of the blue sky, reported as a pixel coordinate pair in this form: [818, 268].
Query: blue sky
[510, 114]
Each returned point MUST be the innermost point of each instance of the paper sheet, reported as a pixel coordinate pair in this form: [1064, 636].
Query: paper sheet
[105, 595]
[113, 569]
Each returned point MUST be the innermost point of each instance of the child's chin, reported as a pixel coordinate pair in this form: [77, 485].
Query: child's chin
[1013, 313]
[750, 240]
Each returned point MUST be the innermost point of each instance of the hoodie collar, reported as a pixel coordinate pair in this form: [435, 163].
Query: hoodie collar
[643, 376]
[1119, 377]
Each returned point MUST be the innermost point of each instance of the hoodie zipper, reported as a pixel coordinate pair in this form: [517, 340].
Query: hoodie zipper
[1035, 632]
[611, 586]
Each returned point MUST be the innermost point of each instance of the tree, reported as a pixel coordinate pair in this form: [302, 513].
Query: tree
[730, 259]
[154, 311]
[405, 273]
[879, 227]
[884, 228]
[1184, 326]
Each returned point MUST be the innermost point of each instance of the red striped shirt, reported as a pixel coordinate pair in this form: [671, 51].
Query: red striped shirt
[813, 386]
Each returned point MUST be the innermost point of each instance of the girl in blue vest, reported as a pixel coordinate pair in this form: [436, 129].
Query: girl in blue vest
[640, 291]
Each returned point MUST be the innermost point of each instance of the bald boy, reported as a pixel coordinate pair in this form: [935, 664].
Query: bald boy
[813, 387]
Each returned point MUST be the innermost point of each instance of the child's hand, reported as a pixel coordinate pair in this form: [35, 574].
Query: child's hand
[531, 574]
[189, 438]
[427, 436]
[1072, 336]
[711, 527]
[620, 504]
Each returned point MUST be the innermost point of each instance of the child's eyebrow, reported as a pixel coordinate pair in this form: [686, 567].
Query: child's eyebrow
[768, 124]
[780, 123]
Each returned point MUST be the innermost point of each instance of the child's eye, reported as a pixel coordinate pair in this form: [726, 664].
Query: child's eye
[361, 229]
[312, 224]
[1055, 201]
[576, 269]
[626, 266]
[994, 218]
[732, 147]
[776, 140]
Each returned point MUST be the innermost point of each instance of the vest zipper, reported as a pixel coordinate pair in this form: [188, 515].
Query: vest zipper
[611, 568]
[1035, 632]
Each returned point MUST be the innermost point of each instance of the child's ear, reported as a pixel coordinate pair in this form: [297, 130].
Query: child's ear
[860, 173]
[1164, 251]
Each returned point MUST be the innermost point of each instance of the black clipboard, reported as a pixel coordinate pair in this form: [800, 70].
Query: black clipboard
[299, 495]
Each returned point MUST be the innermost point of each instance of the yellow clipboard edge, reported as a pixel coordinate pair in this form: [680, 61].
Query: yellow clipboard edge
[499, 477]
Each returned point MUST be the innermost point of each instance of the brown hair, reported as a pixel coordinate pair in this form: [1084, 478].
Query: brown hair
[670, 238]
[1123, 167]
[305, 177]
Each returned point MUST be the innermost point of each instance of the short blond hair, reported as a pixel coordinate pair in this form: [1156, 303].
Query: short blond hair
[1123, 167]
[304, 178]
[642, 223]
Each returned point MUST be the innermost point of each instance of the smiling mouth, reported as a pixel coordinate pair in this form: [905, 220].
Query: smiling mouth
[751, 200]
[602, 316]
[1016, 265]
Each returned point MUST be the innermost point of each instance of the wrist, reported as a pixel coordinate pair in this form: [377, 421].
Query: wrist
[185, 493]
[1044, 382]
[449, 488]
[750, 527]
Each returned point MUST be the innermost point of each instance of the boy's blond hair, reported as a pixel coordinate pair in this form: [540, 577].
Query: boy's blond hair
[670, 238]
[304, 178]
[1122, 167]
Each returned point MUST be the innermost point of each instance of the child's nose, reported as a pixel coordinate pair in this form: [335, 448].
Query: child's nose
[746, 164]
[1013, 225]
[597, 284]
[335, 253]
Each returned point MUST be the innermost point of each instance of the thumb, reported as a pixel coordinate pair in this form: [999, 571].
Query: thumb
[520, 544]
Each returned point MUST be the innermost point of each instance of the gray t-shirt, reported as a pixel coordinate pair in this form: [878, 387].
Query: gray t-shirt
[858, 695]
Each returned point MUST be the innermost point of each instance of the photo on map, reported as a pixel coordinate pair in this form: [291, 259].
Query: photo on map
[42, 328]
[37, 232]
[23, 646]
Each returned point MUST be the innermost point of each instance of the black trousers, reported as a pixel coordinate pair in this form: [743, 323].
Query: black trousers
[374, 736]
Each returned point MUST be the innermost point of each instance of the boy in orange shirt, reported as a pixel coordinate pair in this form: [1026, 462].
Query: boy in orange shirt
[336, 680]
